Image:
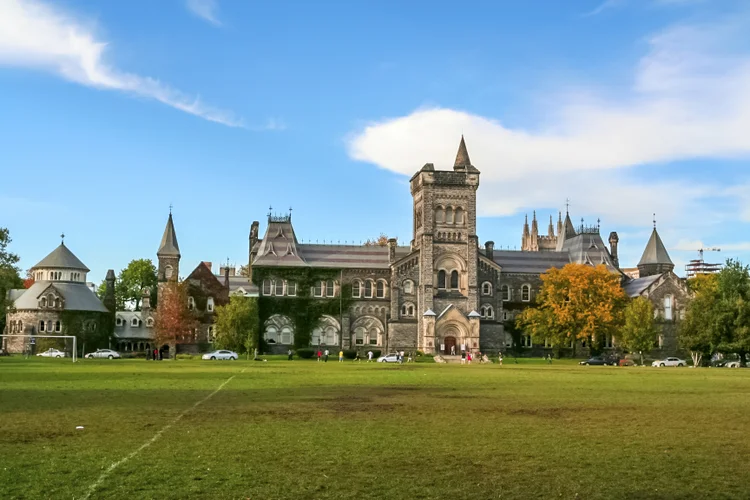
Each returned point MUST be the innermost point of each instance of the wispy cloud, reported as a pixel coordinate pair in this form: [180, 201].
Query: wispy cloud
[205, 9]
[606, 5]
[37, 35]
[689, 99]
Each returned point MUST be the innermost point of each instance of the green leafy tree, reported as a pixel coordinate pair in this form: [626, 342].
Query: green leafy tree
[638, 334]
[237, 325]
[140, 274]
[9, 274]
[695, 332]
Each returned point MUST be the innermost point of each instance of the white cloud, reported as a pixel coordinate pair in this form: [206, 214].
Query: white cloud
[35, 35]
[606, 5]
[205, 9]
[689, 99]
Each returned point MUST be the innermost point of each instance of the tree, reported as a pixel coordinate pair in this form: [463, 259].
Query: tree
[237, 324]
[577, 302]
[380, 241]
[9, 274]
[29, 280]
[175, 323]
[140, 274]
[638, 333]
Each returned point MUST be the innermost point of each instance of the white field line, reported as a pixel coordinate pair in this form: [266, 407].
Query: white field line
[151, 441]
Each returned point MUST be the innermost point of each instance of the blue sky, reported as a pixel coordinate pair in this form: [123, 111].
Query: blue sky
[113, 110]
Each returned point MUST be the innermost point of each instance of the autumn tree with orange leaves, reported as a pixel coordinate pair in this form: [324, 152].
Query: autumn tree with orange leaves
[175, 323]
[577, 302]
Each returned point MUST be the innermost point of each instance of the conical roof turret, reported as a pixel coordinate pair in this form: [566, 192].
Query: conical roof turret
[169, 246]
[655, 252]
[462, 157]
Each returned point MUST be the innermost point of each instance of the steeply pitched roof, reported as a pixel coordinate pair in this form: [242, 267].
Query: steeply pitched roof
[77, 296]
[513, 261]
[635, 287]
[588, 248]
[62, 257]
[462, 157]
[655, 252]
[169, 246]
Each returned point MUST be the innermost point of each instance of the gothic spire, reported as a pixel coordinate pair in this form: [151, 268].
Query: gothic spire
[169, 246]
[462, 157]
[550, 228]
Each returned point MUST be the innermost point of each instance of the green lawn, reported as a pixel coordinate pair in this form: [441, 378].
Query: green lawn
[305, 430]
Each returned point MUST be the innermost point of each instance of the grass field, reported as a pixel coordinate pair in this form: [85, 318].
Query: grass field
[304, 429]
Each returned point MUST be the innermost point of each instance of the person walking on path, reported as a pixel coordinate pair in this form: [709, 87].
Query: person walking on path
[156, 354]
[499, 358]
[290, 355]
[369, 356]
[325, 356]
[468, 358]
[463, 357]
[318, 355]
[341, 356]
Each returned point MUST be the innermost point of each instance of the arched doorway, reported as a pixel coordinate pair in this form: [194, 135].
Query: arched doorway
[449, 344]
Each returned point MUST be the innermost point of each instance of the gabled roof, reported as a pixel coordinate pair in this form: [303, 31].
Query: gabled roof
[78, 297]
[635, 287]
[169, 246]
[655, 252]
[61, 257]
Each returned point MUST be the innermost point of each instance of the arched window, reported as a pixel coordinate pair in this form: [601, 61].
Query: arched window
[380, 289]
[42, 325]
[459, 216]
[134, 322]
[44, 302]
[408, 286]
[318, 289]
[489, 312]
[486, 288]
[168, 272]
[150, 322]
[668, 308]
[407, 310]
[449, 215]
[374, 337]
[291, 288]
[359, 336]
[271, 335]
[454, 280]
[191, 303]
[505, 290]
[326, 332]
[440, 215]
[441, 279]
[525, 293]
[210, 304]
[368, 289]
[266, 287]
[119, 321]
[287, 337]
[356, 289]
[330, 288]
[278, 288]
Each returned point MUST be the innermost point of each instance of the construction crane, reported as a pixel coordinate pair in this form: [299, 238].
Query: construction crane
[699, 266]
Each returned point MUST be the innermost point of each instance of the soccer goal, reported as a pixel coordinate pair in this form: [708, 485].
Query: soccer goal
[34, 337]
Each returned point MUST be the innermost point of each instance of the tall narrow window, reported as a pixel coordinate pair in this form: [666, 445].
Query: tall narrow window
[439, 216]
[330, 288]
[368, 289]
[374, 337]
[408, 286]
[210, 334]
[459, 216]
[168, 272]
[449, 215]
[454, 280]
[291, 288]
[668, 308]
[191, 303]
[381, 289]
[318, 289]
[486, 288]
[42, 324]
[58, 326]
[210, 304]
[525, 293]
[359, 336]
[441, 279]
[266, 287]
[356, 289]
[278, 288]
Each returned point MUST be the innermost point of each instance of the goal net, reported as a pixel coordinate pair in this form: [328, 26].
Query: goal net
[28, 346]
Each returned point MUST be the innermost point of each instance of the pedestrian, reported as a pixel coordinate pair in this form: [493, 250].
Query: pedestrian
[318, 355]
[408, 357]
[453, 350]
[156, 354]
[549, 359]
[369, 356]
[356, 356]
[463, 357]
[341, 356]
[325, 356]
[500, 358]
[480, 357]
[290, 355]
[468, 358]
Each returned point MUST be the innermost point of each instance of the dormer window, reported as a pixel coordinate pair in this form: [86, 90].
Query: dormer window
[134, 322]
[150, 322]
[119, 321]
[210, 304]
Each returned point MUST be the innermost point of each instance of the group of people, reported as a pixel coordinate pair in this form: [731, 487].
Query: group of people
[324, 355]
[154, 354]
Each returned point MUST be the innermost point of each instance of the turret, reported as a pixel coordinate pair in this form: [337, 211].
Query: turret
[392, 250]
[550, 228]
[526, 237]
[169, 253]
[109, 294]
[489, 250]
[613, 240]
[655, 259]
[534, 234]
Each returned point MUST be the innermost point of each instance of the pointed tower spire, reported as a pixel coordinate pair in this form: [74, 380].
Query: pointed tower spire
[169, 246]
[559, 223]
[525, 243]
[462, 157]
[534, 234]
[550, 228]
[655, 259]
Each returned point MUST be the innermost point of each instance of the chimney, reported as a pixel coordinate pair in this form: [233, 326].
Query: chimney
[226, 277]
[208, 264]
[489, 249]
[613, 240]
[146, 299]
[392, 250]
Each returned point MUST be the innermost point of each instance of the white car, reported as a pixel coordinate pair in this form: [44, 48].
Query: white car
[51, 353]
[388, 358]
[221, 354]
[733, 364]
[103, 353]
[669, 362]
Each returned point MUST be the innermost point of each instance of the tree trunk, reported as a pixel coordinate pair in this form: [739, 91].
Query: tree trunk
[641, 353]
[697, 356]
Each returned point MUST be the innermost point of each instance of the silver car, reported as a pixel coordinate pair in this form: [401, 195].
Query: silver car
[51, 353]
[221, 354]
[388, 358]
[669, 362]
[103, 353]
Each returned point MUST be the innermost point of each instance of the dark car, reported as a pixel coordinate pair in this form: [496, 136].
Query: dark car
[598, 361]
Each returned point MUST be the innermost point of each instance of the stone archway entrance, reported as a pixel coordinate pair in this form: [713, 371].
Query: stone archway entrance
[450, 345]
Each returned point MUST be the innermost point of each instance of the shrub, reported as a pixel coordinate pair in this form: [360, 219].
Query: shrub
[419, 353]
[375, 353]
[350, 354]
[305, 353]
[186, 356]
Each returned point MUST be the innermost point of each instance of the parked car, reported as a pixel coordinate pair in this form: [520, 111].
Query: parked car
[51, 353]
[598, 361]
[103, 353]
[388, 358]
[669, 362]
[627, 362]
[732, 364]
[221, 354]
